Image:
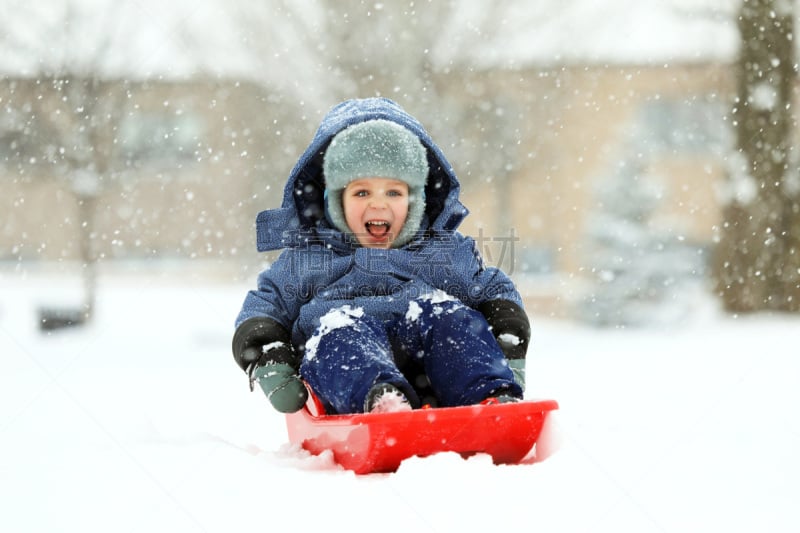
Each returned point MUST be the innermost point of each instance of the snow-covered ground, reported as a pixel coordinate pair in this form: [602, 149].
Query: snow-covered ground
[143, 423]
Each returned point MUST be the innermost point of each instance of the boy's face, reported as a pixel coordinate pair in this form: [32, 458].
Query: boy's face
[375, 210]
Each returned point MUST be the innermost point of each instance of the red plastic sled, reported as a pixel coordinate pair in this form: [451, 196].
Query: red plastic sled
[379, 442]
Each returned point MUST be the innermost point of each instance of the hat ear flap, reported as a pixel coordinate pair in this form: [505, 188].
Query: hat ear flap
[325, 208]
[334, 211]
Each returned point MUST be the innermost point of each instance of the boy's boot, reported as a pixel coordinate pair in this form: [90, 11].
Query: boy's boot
[385, 398]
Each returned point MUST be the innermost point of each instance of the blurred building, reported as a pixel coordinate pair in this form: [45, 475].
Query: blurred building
[180, 165]
[573, 130]
[192, 161]
[575, 126]
[534, 122]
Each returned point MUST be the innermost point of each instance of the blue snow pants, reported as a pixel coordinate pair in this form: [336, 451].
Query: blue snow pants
[443, 348]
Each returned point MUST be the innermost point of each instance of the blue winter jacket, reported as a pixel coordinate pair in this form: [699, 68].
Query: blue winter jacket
[322, 268]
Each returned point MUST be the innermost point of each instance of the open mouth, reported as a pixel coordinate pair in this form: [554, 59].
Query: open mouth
[378, 228]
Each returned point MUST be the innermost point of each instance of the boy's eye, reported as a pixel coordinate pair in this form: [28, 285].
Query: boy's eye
[394, 192]
[361, 193]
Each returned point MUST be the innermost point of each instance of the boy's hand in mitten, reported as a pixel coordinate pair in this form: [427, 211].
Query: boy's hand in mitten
[278, 379]
[261, 348]
[512, 330]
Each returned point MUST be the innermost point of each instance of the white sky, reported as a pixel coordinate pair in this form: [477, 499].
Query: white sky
[151, 38]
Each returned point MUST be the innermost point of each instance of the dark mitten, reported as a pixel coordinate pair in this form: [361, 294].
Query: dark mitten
[261, 347]
[512, 330]
[252, 335]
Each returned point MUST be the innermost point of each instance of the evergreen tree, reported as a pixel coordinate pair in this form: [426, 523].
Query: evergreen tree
[639, 271]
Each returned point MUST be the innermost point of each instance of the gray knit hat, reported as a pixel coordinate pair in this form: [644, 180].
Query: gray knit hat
[376, 148]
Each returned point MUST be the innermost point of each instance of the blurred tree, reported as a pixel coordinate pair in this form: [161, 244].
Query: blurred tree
[72, 116]
[77, 113]
[325, 51]
[757, 266]
[640, 270]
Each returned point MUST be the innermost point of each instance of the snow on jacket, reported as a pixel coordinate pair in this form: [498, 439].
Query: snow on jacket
[322, 268]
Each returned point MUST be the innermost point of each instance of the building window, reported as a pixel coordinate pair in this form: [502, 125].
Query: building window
[20, 143]
[688, 126]
[147, 139]
[536, 259]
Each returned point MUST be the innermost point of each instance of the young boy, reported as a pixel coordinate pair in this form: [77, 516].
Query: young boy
[377, 303]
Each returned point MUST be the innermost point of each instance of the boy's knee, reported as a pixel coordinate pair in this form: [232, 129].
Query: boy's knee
[436, 305]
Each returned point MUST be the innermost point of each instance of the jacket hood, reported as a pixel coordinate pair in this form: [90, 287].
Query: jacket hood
[301, 217]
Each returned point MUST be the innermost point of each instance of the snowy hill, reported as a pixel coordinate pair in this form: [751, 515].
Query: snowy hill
[142, 422]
